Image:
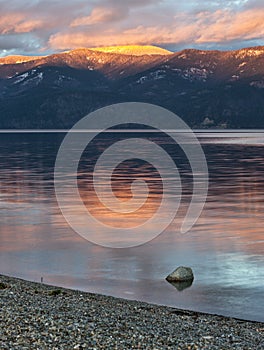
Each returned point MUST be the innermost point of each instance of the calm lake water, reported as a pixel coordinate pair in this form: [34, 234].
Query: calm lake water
[225, 248]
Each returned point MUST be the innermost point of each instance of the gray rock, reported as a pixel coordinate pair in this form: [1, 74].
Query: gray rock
[181, 274]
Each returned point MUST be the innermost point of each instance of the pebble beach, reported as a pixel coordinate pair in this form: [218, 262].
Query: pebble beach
[39, 316]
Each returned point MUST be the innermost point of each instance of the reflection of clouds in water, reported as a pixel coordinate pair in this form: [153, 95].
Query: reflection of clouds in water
[122, 179]
[22, 213]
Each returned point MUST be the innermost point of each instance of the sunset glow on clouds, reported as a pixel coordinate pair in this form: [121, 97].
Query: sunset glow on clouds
[45, 26]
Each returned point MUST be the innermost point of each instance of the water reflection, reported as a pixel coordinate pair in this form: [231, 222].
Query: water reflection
[225, 248]
[122, 179]
[180, 286]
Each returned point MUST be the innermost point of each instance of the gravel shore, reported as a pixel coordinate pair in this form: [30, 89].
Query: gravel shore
[38, 316]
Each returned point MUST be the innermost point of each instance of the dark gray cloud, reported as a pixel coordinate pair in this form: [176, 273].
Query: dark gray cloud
[23, 44]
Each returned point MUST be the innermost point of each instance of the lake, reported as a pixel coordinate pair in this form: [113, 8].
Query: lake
[225, 248]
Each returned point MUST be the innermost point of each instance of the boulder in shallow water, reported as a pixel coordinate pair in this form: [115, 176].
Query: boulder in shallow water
[181, 274]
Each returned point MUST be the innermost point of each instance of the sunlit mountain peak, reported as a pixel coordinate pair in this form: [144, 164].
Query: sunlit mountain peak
[134, 50]
[17, 59]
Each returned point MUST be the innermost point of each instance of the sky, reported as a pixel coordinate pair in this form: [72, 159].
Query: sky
[39, 27]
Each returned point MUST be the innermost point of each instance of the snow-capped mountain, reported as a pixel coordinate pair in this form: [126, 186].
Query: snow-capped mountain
[206, 88]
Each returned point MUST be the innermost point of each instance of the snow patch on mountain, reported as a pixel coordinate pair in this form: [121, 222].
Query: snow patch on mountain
[29, 78]
[258, 84]
[244, 53]
[193, 74]
[35, 79]
[21, 77]
[242, 64]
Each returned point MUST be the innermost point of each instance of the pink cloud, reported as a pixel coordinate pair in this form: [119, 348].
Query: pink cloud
[100, 15]
[227, 26]
[18, 23]
[203, 27]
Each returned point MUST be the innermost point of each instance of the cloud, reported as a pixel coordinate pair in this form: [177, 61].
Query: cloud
[18, 23]
[227, 26]
[101, 15]
[9, 21]
[220, 26]
[140, 35]
[60, 25]
[110, 11]
[23, 42]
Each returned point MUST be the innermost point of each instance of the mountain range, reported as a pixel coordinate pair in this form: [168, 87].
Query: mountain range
[208, 89]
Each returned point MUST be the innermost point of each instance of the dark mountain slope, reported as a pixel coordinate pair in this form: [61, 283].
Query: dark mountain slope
[205, 88]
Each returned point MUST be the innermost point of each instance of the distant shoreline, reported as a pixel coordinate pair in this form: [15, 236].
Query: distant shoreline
[109, 131]
[39, 316]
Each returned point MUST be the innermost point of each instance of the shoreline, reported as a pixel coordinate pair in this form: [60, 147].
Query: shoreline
[39, 316]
